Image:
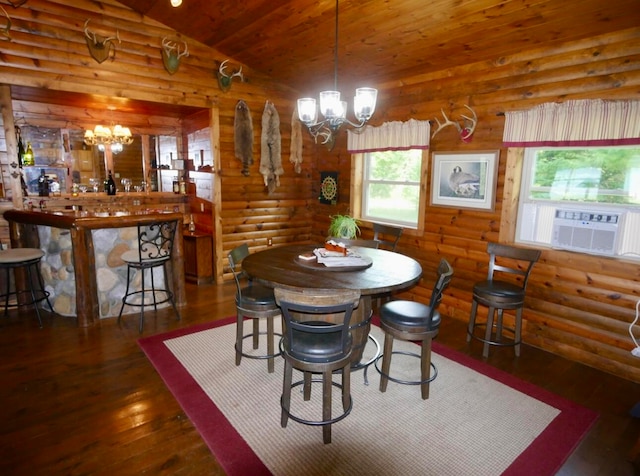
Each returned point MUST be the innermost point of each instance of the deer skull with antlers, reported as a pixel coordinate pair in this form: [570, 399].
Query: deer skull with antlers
[172, 51]
[99, 46]
[5, 31]
[224, 79]
[466, 130]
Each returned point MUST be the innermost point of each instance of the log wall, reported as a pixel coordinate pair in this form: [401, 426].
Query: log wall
[578, 306]
[48, 50]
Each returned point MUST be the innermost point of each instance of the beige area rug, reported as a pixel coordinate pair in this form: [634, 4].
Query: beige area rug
[471, 424]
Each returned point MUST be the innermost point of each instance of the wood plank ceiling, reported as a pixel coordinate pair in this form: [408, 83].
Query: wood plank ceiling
[382, 40]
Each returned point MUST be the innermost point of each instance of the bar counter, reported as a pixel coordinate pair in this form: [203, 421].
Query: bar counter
[81, 225]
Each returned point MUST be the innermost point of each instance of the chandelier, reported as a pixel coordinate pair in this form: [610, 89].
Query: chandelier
[104, 135]
[333, 110]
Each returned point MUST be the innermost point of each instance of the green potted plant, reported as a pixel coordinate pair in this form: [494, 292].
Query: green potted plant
[343, 226]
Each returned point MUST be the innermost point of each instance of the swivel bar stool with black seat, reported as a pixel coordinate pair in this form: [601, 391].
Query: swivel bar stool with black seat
[317, 340]
[253, 301]
[413, 321]
[154, 250]
[502, 294]
[27, 260]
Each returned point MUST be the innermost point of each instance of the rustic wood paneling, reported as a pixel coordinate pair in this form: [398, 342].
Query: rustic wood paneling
[578, 306]
[48, 52]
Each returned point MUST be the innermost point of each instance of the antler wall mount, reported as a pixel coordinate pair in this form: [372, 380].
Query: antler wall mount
[5, 31]
[466, 129]
[172, 51]
[100, 47]
[224, 79]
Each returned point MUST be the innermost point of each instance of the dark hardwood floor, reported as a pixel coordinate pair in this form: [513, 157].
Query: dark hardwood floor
[87, 401]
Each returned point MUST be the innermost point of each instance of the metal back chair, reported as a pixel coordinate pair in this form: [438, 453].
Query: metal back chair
[317, 340]
[154, 250]
[413, 321]
[256, 302]
[387, 236]
[504, 289]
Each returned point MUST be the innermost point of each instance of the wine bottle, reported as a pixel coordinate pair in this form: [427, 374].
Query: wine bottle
[111, 185]
[21, 150]
[27, 158]
[43, 184]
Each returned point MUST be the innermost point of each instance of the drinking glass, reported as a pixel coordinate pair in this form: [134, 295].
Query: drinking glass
[95, 184]
[126, 183]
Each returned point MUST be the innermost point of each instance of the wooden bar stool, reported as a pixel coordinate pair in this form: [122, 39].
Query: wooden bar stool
[413, 321]
[27, 259]
[256, 302]
[387, 236]
[502, 294]
[317, 340]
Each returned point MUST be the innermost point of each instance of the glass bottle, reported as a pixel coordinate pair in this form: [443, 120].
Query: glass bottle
[111, 185]
[192, 224]
[27, 158]
[43, 184]
[21, 150]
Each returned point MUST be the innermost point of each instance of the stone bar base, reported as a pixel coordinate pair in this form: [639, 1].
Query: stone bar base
[111, 271]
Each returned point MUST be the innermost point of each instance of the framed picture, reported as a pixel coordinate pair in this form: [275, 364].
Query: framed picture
[464, 179]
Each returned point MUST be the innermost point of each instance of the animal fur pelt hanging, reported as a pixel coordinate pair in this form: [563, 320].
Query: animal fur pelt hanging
[243, 131]
[270, 158]
[295, 152]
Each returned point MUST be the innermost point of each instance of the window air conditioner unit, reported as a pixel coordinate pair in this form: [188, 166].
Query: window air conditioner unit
[586, 231]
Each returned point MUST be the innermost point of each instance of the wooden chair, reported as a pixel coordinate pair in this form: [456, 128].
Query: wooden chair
[256, 302]
[317, 340]
[387, 236]
[413, 321]
[502, 294]
[28, 261]
[356, 242]
[154, 250]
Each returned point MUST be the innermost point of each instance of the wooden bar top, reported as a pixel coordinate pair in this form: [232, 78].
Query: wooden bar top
[67, 219]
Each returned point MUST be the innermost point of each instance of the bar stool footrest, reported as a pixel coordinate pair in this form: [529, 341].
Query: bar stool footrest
[260, 356]
[497, 343]
[317, 422]
[407, 382]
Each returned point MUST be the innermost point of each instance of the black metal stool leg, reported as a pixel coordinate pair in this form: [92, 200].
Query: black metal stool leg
[34, 300]
[41, 283]
[6, 301]
[142, 294]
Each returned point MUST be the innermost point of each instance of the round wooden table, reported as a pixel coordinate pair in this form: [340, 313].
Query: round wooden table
[389, 271]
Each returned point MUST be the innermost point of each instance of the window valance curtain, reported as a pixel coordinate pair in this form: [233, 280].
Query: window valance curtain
[574, 123]
[395, 135]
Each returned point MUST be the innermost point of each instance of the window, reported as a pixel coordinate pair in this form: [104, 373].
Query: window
[392, 186]
[582, 199]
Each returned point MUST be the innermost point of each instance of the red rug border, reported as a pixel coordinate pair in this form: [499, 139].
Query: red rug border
[236, 457]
